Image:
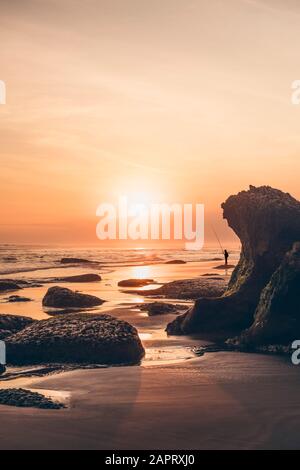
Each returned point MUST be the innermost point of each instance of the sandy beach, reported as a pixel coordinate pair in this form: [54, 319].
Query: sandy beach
[173, 400]
[150, 225]
[220, 401]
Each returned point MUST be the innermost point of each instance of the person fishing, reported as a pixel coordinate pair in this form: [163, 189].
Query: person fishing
[226, 256]
[224, 251]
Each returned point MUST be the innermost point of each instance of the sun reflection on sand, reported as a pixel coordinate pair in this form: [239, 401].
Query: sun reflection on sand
[145, 336]
[141, 272]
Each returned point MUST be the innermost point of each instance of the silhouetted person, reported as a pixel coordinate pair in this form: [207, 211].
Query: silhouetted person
[226, 256]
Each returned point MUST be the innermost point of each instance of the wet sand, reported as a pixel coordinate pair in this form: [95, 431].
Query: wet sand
[220, 401]
[173, 400]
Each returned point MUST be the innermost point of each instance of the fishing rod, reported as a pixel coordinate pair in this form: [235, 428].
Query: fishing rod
[217, 239]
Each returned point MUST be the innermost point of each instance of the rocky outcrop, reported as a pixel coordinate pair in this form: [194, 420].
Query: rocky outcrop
[10, 324]
[61, 297]
[76, 339]
[267, 221]
[277, 316]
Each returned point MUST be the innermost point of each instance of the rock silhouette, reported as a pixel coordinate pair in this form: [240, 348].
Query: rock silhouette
[267, 221]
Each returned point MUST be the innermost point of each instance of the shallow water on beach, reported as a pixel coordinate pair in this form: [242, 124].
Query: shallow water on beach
[38, 264]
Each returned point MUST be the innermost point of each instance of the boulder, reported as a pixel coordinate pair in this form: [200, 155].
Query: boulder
[7, 285]
[76, 339]
[10, 324]
[61, 297]
[267, 221]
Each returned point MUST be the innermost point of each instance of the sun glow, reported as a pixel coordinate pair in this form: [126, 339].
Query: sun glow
[141, 272]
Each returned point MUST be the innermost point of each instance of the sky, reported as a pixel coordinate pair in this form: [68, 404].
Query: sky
[185, 101]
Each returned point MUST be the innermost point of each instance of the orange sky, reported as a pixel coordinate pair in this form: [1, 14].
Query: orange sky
[188, 101]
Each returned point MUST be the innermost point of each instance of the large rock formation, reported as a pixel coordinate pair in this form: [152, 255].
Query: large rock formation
[76, 338]
[61, 297]
[267, 221]
[277, 316]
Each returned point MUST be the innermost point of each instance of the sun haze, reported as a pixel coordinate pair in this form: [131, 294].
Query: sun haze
[186, 101]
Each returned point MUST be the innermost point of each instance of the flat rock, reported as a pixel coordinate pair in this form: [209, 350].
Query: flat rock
[188, 289]
[76, 338]
[209, 274]
[176, 261]
[135, 282]
[225, 266]
[161, 308]
[18, 298]
[27, 399]
[79, 278]
[61, 297]
[6, 285]
[75, 261]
